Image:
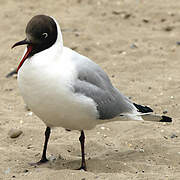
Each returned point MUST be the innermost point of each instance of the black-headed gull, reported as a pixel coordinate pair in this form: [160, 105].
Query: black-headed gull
[66, 89]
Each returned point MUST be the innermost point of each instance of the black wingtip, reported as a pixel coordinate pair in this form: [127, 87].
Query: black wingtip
[166, 119]
[143, 109]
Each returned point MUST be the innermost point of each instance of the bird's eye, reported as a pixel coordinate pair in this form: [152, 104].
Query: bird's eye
[45, 35]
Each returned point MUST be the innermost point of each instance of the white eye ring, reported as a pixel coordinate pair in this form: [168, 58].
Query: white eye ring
[45, 35]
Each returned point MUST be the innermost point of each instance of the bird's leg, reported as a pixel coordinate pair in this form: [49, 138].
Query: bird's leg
[83, 162]
[43, 158]
[47, 134]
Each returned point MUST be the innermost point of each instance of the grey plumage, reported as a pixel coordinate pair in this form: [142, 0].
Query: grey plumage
[93, 82]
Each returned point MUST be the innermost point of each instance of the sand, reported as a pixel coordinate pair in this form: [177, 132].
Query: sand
[135, 42]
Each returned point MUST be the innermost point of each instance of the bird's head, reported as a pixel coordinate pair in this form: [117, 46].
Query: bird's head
[41, 33]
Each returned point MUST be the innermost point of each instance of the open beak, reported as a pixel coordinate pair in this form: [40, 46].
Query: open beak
[23, 42]
[29, 49]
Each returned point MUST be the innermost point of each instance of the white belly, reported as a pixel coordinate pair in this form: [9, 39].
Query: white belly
[49, 95]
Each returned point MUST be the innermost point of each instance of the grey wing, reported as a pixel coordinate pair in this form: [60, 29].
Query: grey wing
[93, 82]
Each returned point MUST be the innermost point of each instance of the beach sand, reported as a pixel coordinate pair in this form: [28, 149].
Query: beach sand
[136, 43]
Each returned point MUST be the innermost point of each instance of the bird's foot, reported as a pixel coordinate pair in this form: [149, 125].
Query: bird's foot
[83, 167]
[42, 161]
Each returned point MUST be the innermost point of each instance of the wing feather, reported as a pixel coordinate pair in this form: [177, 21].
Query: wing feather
[93, 82]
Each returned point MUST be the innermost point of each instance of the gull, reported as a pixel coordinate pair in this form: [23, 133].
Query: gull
[66, 89]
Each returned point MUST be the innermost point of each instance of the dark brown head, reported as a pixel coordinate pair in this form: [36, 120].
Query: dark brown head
[41, 33]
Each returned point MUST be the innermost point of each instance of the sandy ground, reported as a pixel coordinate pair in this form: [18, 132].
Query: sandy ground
[135, 41]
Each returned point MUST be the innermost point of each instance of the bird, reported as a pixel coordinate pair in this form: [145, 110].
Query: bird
[66, 89]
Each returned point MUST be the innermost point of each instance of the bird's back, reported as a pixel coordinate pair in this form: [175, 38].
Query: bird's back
[93, 82]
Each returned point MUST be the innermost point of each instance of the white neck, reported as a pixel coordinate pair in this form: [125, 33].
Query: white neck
[59, 40]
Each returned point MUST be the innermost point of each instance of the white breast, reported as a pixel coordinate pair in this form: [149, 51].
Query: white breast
[45, 82]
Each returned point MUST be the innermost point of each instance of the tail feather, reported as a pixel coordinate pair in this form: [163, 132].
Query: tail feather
[156, 118]
[166, 119]
[146, 114]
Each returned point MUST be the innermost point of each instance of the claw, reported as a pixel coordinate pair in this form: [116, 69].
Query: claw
[42, 161]
[82, 168]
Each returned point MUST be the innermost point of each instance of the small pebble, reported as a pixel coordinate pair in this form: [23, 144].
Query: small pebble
[37, 154]
[133, 46]
[27, 108]
[74, 47]
[30, 113]
[105, 136]
[116, 12]
[29, 146]
[145, 20]
[129, 145]
[168, 28]
[108, 144]
[141, 150]
[26, 171]
[171, 14]
[21, 121]
[14, 133]
[173, 49]
[163, 20]
[124, 53]
[60, 157]
[165, 112]
[77, 34]
[103, 128]
[8, 89]
[174, 136]
[52, 158]
[126, 16]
